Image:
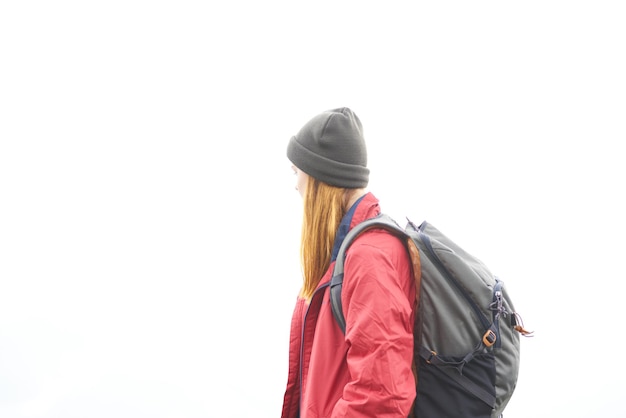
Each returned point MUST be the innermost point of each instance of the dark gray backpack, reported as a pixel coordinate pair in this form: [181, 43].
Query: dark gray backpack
[467, 346]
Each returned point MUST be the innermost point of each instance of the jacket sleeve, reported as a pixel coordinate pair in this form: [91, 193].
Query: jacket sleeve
[378, 300]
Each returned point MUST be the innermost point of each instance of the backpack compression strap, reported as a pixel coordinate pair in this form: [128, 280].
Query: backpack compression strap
[336, 282]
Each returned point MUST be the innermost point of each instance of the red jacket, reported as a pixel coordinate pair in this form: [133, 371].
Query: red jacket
[367, 372]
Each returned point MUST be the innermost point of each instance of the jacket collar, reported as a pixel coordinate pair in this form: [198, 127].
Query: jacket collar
[365, 207]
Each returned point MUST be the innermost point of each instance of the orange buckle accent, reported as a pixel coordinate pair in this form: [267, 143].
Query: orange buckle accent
[489, 338]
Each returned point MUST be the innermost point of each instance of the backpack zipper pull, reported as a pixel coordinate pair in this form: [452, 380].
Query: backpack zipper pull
[518, 325]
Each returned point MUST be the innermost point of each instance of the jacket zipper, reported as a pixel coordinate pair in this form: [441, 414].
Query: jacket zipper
[319, 289]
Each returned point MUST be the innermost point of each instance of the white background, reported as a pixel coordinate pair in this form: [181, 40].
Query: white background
[149, 226]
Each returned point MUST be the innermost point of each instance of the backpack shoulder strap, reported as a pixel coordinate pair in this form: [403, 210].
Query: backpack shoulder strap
[383, 221]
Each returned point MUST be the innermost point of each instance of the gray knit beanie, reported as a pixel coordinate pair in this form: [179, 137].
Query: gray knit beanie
[330, 148]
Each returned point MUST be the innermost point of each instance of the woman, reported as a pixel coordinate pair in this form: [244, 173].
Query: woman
[367, 371]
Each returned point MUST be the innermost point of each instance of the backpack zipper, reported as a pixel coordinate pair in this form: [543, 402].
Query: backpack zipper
[426, 240]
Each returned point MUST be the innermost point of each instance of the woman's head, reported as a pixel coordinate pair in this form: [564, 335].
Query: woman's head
[331, 148]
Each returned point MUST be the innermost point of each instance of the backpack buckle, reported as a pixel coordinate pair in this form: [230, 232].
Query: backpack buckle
[432, 354]
[489, 338]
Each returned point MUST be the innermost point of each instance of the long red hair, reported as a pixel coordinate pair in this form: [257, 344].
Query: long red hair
[324, 207]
